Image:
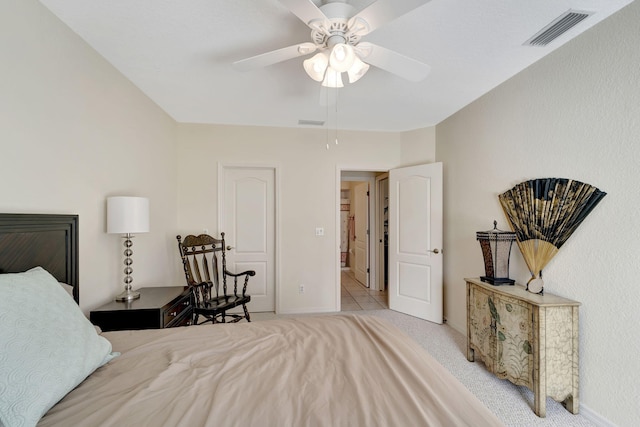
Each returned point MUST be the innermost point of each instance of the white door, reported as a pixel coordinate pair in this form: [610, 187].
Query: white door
[415, 241]
[382, 224]
[247, 216]
[361, 225]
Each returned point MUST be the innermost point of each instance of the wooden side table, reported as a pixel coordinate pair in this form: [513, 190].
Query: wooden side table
[157, 308]
[527, 338]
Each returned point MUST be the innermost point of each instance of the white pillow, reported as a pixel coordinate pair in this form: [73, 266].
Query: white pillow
[47, 346]
[67, 288]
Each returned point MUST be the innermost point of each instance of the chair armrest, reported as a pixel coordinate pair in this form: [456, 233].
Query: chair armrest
[248, 272]
[235, 276]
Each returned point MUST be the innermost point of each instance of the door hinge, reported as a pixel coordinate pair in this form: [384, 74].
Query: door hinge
[367, 193]
[367, 270]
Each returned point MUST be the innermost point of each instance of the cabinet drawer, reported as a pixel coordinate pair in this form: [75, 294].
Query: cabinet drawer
[177, 310]
[184, 319]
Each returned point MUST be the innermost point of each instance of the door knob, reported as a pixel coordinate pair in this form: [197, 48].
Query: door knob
[435, 251]
[229, 248]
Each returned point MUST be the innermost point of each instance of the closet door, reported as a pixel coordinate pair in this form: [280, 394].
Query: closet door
[247, 216]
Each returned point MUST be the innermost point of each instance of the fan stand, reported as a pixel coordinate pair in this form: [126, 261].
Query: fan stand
[535, 285]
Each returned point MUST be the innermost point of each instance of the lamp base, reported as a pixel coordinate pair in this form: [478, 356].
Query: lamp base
[497, 281]
[128, 295]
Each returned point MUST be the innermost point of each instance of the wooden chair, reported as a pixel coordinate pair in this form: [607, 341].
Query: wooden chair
[202, 267]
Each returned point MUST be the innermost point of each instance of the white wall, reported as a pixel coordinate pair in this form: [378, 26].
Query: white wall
[574, 114]
[418, 146]
[72, 132]
[307, 194]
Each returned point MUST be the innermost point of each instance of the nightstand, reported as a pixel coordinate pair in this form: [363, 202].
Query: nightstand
[157, 308]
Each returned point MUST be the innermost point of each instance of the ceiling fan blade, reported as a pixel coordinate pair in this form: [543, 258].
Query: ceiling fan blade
[306, 10]
[275, 56]
[384, 11]
[393, 62]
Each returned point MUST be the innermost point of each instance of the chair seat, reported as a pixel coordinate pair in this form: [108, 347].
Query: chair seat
[225, 302]
[215, 310]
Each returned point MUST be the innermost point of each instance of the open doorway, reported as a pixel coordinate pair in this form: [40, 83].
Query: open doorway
[362, 240]
[415, 240]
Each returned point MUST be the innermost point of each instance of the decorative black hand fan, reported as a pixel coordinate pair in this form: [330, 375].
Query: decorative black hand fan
[544, 213]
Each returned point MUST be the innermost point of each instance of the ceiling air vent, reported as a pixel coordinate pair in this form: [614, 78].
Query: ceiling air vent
[557, 27]
[311, 122]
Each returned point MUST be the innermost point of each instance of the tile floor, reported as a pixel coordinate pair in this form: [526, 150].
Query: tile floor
[355, 296]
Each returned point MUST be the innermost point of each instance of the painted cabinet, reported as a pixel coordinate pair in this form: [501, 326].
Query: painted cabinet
[526, 338]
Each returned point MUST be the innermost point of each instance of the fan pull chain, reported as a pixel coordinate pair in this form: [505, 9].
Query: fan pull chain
[336, 116]
[327, 100]
[336, 119]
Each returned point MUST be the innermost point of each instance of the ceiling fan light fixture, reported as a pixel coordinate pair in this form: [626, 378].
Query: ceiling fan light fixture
[332, 79]
[357, 70]
[342, 57]
[316, 66]
[336, 30]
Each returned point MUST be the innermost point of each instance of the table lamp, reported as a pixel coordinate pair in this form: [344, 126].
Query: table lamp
[127, 215]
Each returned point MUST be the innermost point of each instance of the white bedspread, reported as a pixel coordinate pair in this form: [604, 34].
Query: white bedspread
[340, 370]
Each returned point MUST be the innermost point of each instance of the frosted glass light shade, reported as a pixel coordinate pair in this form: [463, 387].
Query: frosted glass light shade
[127, 215]
[316, 66]
[333, 78]
[342, 57]
[357, 70]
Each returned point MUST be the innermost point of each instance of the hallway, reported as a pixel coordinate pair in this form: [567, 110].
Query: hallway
[354, 296]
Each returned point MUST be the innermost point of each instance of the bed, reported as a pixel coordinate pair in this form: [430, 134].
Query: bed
[324, 370]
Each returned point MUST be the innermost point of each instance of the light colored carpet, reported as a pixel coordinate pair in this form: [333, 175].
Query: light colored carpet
[512, 404]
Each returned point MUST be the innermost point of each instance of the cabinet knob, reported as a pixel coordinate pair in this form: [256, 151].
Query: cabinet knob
[435, 251]
[173, 313]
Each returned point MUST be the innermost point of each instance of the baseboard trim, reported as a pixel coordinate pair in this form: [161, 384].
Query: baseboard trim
[310, 310]
[594, 417]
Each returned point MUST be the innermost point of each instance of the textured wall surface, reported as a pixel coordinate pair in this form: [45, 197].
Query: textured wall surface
[73, 131]
[574, 114]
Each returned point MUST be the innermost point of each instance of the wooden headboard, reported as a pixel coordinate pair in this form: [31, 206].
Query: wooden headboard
[49, 241]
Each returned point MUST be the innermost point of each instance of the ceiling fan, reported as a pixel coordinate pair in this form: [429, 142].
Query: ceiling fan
[336, 32]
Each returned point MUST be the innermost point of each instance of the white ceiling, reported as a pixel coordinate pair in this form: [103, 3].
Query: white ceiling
[180, 54]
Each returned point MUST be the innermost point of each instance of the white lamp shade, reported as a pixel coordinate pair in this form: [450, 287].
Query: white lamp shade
[316, 66]
[342, 57]
[127, 215]
[357, 70]
[333, 78]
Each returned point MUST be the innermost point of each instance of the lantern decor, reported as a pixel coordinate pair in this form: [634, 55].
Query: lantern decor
[544, 213]
[496, 250]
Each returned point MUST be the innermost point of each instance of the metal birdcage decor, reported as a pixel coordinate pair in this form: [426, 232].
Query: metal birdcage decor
[496, 250]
